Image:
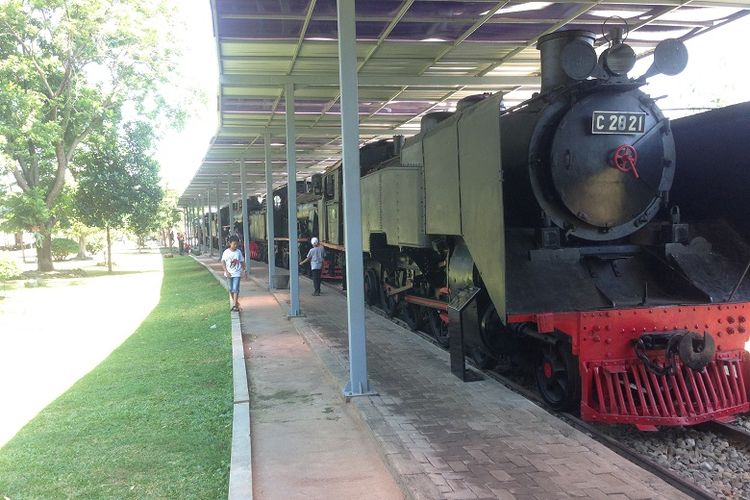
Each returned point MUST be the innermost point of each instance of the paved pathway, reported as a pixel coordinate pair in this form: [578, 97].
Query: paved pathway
[448, 439]
[307, 443]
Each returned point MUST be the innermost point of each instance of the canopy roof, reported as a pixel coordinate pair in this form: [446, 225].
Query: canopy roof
[414, 56]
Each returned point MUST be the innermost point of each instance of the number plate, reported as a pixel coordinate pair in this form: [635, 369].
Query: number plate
[618, 122]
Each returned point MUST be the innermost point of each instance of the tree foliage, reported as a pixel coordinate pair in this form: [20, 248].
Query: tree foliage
[117, 179]
[67, 69]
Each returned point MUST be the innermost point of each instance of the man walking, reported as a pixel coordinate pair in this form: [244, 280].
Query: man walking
[315, 257]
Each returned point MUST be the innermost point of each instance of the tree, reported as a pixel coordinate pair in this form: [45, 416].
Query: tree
[68, 68]
[118, 180]
[166, 216]
[82, 234]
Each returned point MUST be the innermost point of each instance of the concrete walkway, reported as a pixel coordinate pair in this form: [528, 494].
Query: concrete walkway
[307, 443]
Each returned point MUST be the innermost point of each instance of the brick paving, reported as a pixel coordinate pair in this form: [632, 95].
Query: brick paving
[443, 438]
[307, 443]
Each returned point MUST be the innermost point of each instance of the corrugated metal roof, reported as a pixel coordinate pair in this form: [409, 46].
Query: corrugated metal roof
[415, 56]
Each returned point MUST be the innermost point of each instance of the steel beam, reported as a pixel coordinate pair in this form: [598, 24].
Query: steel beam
[358, 384]
[317, 131]
[262, 80]
[245, 220]
[270, 232]
[291, 170]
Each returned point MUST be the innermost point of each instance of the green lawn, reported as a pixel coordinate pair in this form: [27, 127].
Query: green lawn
[153, 420]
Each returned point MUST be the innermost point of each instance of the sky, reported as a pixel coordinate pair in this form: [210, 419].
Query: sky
[716, 74]
[180, 152]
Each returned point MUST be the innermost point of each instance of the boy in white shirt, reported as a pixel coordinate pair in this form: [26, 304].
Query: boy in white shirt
[234, 265]
[315, 256]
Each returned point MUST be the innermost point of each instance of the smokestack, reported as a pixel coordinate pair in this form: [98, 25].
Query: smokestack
[551, 47]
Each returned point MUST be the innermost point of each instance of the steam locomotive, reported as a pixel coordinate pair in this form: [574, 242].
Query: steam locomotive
[544, 234]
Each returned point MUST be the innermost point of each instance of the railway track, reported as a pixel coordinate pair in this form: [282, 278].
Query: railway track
[735, 433]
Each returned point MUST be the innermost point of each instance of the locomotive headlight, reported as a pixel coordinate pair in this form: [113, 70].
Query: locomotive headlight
[618, 59]
[670, 57]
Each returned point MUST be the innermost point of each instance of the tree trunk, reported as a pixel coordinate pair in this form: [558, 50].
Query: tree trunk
[44, 254]
[109, 252]
[81, 247]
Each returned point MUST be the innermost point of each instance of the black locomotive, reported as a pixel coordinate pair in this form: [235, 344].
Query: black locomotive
[544, 234]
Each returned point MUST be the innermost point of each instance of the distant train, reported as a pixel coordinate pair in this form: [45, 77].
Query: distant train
[545, 235]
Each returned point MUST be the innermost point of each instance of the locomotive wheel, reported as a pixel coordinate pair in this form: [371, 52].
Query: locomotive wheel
[557, 377]
[372, 291]
[482, 359]
[411, 315]
[438, 329]
[388, 303]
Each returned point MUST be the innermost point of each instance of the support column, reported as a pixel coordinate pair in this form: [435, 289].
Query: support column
[186, 213]
[358, 384]
[270, 230]
[185, 223]
[201, 224]
[245, 220]
[193, 221]
[230, 208]
[219, 245]
[291, 171]
[209, 231]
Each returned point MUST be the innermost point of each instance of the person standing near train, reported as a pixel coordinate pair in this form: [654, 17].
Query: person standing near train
[315, 256]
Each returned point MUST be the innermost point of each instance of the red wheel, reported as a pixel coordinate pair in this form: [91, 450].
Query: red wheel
[625, 159]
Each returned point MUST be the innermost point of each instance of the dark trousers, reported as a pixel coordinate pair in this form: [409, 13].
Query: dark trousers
[316, 279]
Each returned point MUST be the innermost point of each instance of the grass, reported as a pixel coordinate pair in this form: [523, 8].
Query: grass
[151, 421]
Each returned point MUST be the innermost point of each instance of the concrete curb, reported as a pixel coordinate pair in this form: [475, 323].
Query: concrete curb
[240, 469]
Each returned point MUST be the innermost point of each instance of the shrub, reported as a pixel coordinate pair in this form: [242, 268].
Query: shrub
[94, 245]
[62, 247]
[8, 270]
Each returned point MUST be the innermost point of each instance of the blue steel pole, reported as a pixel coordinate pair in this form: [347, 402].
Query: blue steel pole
[218, 221]
[245, 220]
[358, 384]
[291, 169]
[270, 233]
[230, 208]
[198, 228]
[210, 225]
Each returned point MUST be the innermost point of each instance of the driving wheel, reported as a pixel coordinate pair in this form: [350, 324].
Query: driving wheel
[557, 377]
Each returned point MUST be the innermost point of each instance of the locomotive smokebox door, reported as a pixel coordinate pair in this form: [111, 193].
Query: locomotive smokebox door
[607, 162]
[463, 315]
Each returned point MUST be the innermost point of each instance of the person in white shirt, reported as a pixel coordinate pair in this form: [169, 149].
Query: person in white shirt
[234, 265]
[315, 257]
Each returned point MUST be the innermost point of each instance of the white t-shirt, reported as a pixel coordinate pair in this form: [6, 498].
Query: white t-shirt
[233, 260]
[316, 255]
